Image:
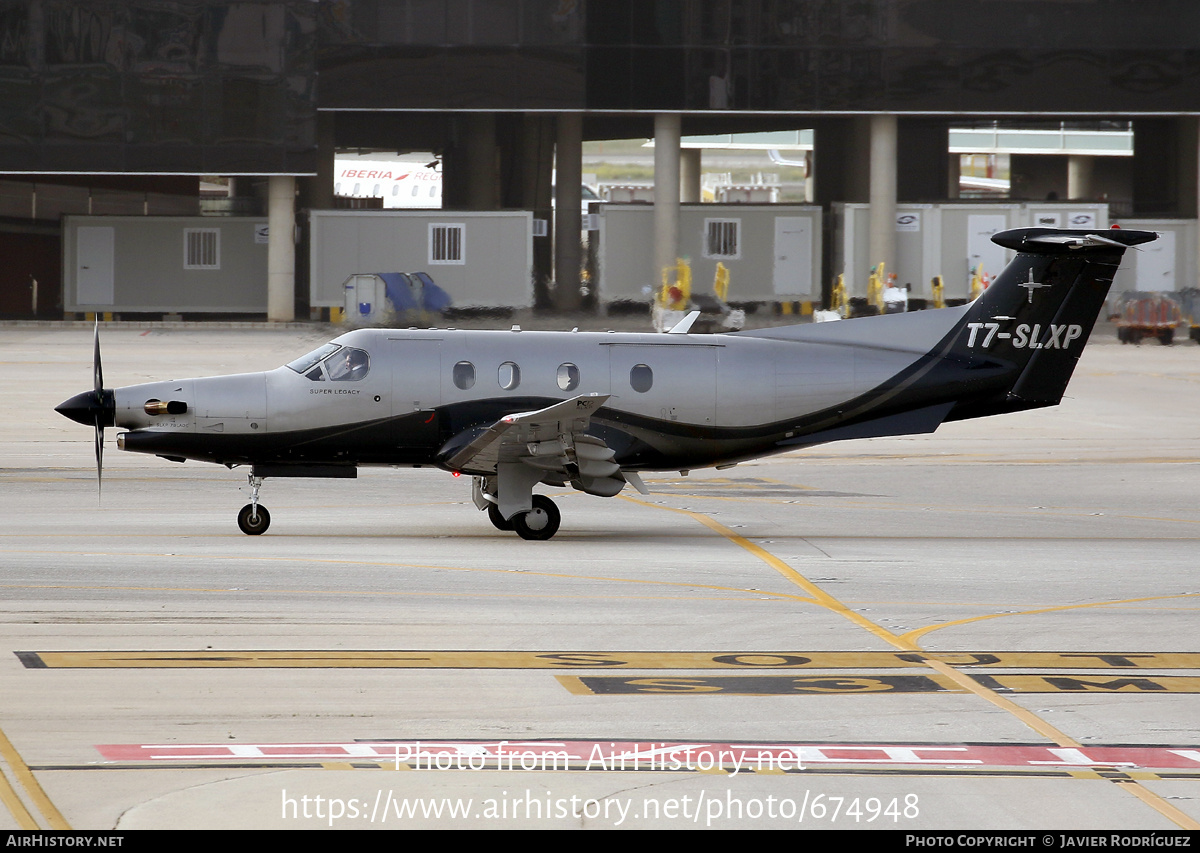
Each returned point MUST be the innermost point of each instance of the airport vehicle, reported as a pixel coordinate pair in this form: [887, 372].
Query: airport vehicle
[1148, 315]
[514, 409]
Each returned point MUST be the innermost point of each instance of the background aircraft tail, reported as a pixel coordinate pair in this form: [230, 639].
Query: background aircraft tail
[1037, 316]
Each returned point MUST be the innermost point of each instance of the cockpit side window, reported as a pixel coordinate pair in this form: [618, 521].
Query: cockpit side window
[348, 364]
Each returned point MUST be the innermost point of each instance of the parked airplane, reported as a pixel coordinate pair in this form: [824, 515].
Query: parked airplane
[404, 184]
[593, 410]
[399, 184]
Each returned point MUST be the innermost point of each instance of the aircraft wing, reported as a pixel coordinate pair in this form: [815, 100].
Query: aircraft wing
[509, 439]
[550, 443]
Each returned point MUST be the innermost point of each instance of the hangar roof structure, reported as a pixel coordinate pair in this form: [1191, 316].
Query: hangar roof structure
[134, 92]
[229, 86]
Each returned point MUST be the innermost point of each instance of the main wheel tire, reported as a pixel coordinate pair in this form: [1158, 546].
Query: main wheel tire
[250, 525]
[498, 521]
[1166, 337]
[541, 522]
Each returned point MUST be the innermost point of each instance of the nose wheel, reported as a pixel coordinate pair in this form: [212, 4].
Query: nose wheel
[254, 520]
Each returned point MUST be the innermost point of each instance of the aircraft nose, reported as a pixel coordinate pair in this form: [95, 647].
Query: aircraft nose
[84, 407]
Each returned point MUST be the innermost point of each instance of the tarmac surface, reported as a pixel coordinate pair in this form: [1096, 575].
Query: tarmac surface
[992, 627]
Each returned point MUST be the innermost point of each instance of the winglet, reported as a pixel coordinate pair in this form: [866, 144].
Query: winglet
[685, 325]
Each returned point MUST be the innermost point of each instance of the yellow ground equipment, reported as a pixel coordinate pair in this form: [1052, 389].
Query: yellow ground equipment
[875, 288]
[721, 282]
[676, 295]
[937, 290]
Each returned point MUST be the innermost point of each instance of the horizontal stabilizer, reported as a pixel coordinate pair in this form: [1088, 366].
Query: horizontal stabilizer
[1055, 240]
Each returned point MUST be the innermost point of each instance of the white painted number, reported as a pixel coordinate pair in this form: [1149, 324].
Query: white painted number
[1025, 337]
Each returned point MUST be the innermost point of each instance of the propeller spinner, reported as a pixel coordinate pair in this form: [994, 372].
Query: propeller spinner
[96, 407]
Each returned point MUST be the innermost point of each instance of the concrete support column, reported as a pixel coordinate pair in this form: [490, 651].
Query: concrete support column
[922, 145]
[1196, 187]
[1165, 167]
[667, 133]
[1079, 175]
[320, 189]
[482, 181]
[281, 248]
[568, 199]
[882, 236]
[840, 160]
[689, 175]
[536, 170]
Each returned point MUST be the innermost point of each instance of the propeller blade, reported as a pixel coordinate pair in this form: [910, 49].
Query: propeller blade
[98, 382]
[99, 455]
[97, 370]
[96, 407]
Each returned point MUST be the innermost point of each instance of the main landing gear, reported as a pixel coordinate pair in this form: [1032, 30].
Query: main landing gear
[254, 519]
[539, 524]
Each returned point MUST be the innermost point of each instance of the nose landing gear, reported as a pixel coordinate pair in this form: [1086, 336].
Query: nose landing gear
[254, 519]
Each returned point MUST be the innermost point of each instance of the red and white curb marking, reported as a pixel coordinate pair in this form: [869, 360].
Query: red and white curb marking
[643, 755]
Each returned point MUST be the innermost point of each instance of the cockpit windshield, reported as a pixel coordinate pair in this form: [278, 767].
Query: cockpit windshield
[302, 364]
[333, 362]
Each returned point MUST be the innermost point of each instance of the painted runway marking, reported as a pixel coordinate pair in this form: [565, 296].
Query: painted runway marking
[666, 755]
[790, 685]
[745, 660]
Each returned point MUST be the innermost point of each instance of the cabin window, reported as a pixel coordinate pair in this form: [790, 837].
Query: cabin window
[722, 238]
[641, 377]
[509, 376]
[464, 376]
[201, 249]
[395, 190]
[446, 244]
[568, 376]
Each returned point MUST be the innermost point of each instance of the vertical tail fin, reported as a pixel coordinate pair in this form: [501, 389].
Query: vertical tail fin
[1037, 315]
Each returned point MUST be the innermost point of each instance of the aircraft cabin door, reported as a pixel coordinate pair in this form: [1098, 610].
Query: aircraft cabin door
[416, 383]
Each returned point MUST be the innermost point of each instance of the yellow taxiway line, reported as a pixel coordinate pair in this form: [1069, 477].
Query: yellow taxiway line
[832, 604]
[33, 790]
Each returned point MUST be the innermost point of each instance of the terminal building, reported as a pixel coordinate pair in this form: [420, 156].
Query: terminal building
[114, 112]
